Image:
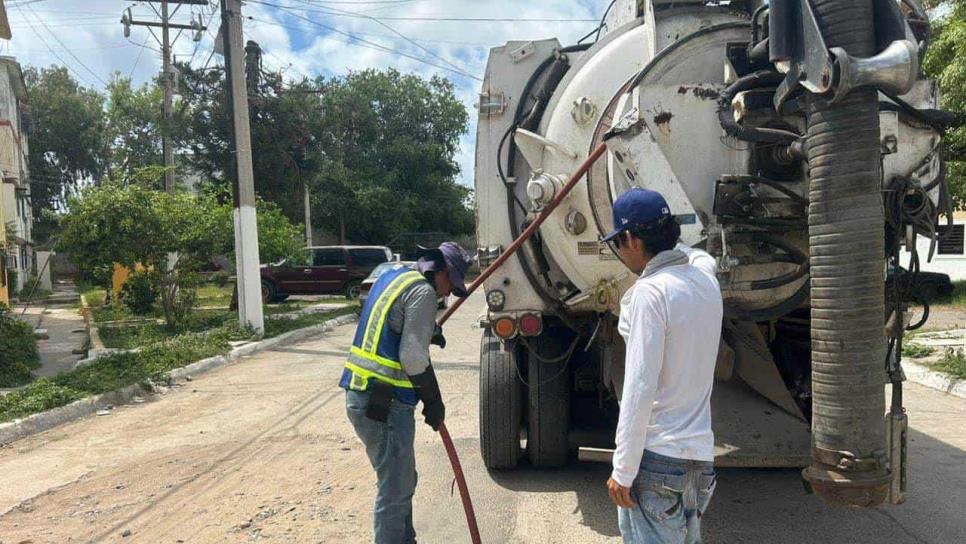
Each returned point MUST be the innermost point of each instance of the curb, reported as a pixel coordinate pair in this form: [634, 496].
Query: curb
[43, 421]
[923, 375]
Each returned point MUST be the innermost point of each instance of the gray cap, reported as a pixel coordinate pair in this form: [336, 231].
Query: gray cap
[448, 255]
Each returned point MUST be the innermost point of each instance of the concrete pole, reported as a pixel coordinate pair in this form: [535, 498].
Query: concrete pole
[308, 215]
[166, 146]
[246, 229]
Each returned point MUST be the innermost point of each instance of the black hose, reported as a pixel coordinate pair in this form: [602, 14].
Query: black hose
[755, 80]
[847, 264]
[754, 23]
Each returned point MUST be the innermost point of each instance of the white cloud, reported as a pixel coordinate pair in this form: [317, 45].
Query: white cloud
[92, 31]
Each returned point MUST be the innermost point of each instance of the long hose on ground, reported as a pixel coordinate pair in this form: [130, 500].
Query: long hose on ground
[530, 230]
[847, 261]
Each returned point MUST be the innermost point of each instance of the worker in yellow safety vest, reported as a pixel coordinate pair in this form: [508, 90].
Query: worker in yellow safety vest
[388, 372]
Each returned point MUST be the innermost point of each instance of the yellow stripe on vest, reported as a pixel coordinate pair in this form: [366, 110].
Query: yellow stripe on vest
[383, 305]
[369, 375]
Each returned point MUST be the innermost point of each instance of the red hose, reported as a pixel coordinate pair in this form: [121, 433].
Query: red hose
[454, 459]
[461, 483]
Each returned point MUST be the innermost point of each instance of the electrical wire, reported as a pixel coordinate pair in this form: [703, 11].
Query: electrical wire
[444, 19]
[69, 52]
[144, 45]
[363, 42]
[49, 48]
[406, 38]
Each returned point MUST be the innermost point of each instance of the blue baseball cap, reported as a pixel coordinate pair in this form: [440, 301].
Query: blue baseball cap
[449, 256]
[638, 207]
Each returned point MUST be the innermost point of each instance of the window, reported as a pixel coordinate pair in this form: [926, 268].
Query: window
[329, 257]
[368, 257]
[302, 259]
[951, 243]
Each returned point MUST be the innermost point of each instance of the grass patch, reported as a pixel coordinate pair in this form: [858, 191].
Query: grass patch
[161, 350]
[214, 295]
[916, 351]
[956, 298]
[153, 362]
[289, 306]
[953, 363]
[132, 336]
[277, 326]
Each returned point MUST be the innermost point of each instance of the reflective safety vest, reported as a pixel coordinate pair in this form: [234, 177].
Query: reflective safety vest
[374, 354]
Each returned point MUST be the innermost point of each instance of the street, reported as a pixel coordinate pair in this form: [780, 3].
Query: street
[261, 451]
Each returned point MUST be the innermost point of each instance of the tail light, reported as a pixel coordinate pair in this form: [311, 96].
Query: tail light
[505, 327]
[531, 325]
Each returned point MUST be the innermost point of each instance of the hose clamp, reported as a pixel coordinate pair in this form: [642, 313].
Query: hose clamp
[847, 461]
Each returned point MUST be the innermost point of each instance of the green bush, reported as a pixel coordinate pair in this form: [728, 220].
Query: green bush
[220, 278]
[916, 351]
[140, 292]
[953, 363]
[41, 395]
[18, 350]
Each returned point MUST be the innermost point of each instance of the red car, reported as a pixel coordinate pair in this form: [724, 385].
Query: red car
[322, 271]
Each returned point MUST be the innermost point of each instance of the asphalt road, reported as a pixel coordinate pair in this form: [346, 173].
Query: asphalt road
[261, 452]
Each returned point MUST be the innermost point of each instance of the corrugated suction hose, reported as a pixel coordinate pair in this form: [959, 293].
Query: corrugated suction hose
[847, 259]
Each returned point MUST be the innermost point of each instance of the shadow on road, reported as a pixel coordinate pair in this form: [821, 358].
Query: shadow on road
[771, 505]
[758, 505]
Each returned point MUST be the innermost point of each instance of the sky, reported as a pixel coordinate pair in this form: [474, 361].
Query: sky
[300, 37]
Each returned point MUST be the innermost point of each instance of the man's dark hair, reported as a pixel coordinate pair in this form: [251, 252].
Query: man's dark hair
[658, 238]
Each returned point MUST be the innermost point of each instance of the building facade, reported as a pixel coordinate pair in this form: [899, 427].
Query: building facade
[16, 216]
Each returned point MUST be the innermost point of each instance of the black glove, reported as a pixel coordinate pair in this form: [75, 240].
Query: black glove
[438, 339]
[428, 390]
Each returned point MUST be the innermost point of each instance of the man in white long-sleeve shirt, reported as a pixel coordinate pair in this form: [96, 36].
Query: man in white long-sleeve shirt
[663, 473]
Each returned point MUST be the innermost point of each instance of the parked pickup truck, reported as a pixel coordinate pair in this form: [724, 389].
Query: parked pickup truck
[321, 271]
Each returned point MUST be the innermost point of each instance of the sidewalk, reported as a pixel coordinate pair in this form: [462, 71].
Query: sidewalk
[61, 324]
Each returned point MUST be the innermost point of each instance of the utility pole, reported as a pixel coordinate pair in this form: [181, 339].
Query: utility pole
[246, 229]
[167, 71]
[308, 215]
[167, 81]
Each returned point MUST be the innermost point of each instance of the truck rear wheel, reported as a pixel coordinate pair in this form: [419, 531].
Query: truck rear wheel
[549, 398]
[501, 404]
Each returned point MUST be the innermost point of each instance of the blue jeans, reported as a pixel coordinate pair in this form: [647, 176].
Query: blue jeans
[671, 496]
[389, 446]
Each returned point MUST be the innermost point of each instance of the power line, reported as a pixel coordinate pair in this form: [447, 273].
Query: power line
[367, 43]
[138, 59]
[69, 52]
[207, 24]
[435, 19]
[401, 35]
[49, 48]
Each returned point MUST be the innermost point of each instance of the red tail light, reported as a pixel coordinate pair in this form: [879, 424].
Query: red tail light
[531, 325]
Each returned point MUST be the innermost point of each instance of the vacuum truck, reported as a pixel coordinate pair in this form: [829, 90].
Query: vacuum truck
[798, 143]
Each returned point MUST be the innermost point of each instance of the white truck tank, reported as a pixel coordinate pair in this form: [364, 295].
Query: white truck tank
[661, 70]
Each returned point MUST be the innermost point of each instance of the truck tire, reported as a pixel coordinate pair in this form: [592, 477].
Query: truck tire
[501, 405]
[549, 399]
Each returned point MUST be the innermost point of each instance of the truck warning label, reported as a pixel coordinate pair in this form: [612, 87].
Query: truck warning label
[602, 251]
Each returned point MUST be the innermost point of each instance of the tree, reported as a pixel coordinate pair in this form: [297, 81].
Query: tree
[134, 225]
[133, 127]
[281, 140]
[388, 147]
[376, 148]
[67, 143]
[946, 62]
